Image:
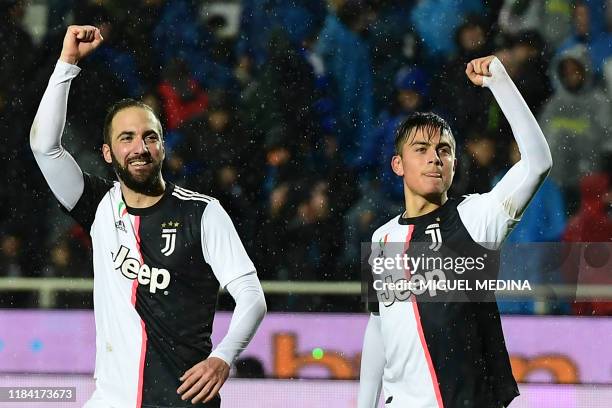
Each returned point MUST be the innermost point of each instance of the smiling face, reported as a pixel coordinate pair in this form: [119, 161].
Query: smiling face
[426, 162]
[136, 150]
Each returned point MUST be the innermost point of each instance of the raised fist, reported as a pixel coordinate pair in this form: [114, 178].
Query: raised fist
[79, 42]
[478, 68]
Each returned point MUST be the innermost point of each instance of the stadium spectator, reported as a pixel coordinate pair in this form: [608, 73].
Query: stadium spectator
[179, 34]
[576, 121]
[298, 20]
[121, 64]
[530, 69]
[471, 40]
[393, 44]
[346, 55]
[592, 224]
[581, 28]
[411, 94]
[552, 19]
[601, 46]
[476, 165]
[271, 99]
[436, 21]
[181, 95]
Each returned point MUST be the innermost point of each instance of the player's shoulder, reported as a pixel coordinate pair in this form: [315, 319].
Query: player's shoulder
[385, 228]
[192, 203]
[472, 202]
[189, 196]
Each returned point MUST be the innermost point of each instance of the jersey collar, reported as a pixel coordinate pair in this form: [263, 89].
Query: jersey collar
[150, 210]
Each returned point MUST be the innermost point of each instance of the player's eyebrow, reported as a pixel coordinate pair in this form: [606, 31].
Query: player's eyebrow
[426, 144]
[126, 133]
[132, 133]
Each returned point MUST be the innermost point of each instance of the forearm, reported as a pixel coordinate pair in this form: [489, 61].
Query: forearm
[248, 314]
[58, 167]
[48, 126]
[372, 365]
[517, 188]
[527, 133]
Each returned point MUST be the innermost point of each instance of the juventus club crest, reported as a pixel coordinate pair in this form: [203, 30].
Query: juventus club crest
[433, 230]
[169, 236]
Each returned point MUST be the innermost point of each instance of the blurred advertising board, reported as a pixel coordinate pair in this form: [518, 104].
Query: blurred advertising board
[558, 350]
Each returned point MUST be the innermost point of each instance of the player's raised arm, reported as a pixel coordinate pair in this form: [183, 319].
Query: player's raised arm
[58, 167]
[508, 199]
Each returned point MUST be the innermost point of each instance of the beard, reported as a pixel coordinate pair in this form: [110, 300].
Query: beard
[150, 185]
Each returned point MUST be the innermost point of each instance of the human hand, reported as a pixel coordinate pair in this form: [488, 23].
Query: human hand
[203, 381]
[478, 68]
[79, 42]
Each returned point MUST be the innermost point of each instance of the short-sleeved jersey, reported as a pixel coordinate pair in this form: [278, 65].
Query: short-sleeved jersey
[157, 272]
[443, 353]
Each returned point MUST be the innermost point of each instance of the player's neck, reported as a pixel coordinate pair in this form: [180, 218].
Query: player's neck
[135, 199]
[417, 205]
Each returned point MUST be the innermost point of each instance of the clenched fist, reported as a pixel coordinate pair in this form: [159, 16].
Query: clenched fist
[478, 68]
[79, 42]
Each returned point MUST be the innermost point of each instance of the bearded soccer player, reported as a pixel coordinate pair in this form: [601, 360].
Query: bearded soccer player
[160, 254]
[449, 354]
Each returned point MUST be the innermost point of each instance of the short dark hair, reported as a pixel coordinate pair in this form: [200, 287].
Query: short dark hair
[428, 121]
[119, 106]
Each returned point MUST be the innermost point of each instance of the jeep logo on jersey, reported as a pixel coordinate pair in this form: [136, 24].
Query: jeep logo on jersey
[433, 230]
[132, 269]
[169, 236]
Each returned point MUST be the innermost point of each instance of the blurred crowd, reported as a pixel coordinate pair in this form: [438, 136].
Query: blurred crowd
[285, 110]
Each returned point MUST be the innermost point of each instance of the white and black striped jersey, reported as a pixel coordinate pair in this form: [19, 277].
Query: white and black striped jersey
[451, 353]
[157, 272]
[444, 352]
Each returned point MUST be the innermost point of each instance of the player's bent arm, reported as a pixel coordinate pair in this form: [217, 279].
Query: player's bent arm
[249, 312]
[503, 206]
[224, 252]
[59, 168]
[372, 365]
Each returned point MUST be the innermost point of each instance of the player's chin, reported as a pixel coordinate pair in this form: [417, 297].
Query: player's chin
[433, 189]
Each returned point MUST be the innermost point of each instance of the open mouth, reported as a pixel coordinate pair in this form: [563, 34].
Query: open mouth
[139, 162]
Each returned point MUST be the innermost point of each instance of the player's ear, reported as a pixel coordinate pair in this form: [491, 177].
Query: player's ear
[106, 153]
[454, 165]
[396, 165]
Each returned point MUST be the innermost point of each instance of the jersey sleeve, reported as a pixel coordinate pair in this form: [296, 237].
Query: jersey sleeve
[367, 260]
[248, 314]
[61, 171]
[490, 217]
[221, 245]
[94, 189]
[372, 364]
